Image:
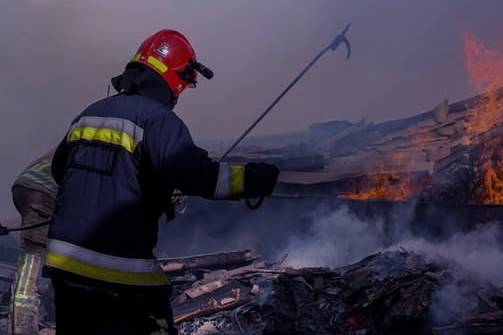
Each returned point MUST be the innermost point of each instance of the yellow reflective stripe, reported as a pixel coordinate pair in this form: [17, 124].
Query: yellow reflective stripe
[21, 275]
[28, 260]
[29, 273]
[136, 57]
[24, 296]
[157, 64]
[103, 135]
[237, 180]
[69, 264]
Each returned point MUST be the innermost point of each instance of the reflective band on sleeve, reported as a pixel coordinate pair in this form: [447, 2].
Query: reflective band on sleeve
[23, 274]
[237, 180]
[223, 188]
[27, 274]
[26, 295]
[230, 181]
[71, 265]
[109, 130]
[157, 64]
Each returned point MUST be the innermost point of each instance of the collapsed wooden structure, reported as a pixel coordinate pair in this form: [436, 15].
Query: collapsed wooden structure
[396, 160]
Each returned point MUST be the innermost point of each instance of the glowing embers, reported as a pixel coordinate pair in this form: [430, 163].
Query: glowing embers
[393, 177]
[391, 186]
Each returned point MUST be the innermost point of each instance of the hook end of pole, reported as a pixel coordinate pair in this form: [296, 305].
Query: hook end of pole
[346, 29]
[341, 38]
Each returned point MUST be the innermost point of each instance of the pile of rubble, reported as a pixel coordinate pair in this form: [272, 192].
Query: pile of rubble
[214, 291]
[393, 292]
[396, 292]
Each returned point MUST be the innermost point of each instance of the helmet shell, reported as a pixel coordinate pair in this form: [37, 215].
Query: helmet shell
[168, 52]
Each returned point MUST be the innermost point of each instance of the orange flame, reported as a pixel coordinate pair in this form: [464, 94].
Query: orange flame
[491, 167]
[493, 185]
[385, 183]
[485, 70]
[386, 186]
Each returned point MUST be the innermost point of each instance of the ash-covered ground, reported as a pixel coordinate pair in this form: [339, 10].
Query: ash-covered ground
[394, 292]
[430, 270]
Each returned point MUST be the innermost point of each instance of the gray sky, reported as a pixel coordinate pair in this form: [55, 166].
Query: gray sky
[58, 55]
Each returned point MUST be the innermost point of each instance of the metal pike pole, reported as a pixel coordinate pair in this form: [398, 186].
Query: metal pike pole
[341, 38]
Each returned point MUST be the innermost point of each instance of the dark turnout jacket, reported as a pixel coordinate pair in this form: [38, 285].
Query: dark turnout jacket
[117, 167]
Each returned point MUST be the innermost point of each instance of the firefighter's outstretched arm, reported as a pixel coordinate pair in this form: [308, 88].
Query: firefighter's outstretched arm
[185, 166]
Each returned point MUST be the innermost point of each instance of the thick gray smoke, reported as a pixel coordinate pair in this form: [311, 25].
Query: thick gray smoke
[479, 251]
[334, 240]
[340, 238]
[323, 232]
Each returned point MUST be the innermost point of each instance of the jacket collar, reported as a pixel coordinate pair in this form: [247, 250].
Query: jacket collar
[140, 79]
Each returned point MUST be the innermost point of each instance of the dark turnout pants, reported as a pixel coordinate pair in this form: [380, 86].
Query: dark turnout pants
[83, 309]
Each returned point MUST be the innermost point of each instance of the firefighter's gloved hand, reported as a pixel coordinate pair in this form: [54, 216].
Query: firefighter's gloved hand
[260, 179]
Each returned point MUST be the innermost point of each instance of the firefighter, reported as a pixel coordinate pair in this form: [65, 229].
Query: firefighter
[120, 160]
[34, 194]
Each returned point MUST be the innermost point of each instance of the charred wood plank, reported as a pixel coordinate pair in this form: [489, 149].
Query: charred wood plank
[233, 295]
[219, 260]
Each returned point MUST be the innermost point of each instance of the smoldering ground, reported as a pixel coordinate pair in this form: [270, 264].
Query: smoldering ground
[316, 232]
[321, 232]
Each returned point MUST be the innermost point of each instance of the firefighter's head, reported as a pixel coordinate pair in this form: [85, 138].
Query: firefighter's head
[170, 54]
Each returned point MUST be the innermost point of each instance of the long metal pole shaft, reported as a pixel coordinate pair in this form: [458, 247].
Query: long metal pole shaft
[274, 103]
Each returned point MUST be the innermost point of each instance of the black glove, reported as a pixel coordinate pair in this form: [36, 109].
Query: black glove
[260, 179]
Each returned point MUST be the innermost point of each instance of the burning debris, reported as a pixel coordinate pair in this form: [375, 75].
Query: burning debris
[472, 174]
[394, 292]
[398, 160]
[406, 159]
[473, 171]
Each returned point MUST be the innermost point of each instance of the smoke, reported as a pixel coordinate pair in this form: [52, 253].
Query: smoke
[479, 251]
[340, 238]
[335, 240]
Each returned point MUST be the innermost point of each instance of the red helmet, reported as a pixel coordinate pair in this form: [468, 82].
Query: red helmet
[170, 54]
